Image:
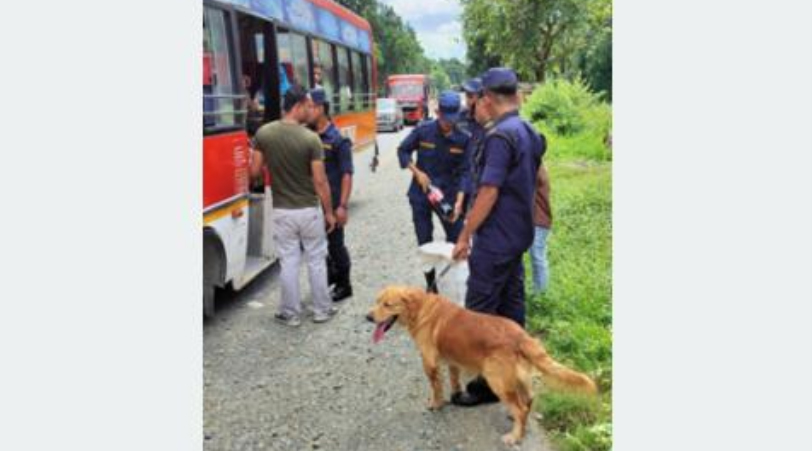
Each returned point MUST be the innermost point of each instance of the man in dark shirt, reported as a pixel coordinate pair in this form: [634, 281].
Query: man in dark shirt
[501, 219]
[338, 164]
[442, 162]
[469, 124]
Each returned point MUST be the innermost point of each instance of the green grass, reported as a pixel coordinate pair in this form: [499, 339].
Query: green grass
[574, 317]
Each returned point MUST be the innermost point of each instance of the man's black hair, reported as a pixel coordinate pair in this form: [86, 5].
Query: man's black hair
[295, 95]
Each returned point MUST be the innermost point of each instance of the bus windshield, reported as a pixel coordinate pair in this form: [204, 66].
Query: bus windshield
[407, 90]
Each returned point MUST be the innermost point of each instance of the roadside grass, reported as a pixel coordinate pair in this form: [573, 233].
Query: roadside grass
[574, 317]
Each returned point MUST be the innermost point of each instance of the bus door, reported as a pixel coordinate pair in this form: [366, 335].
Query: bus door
[257, 58]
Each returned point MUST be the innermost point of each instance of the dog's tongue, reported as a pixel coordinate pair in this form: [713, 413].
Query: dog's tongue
[380, 330]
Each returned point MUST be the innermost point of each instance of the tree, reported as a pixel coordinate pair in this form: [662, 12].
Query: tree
[478, 57]
[454, 69]
[439, 78]
[532, 36]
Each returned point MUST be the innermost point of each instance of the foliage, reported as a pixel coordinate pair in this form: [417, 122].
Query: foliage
[575, 121]
[478, 57]
[439, 78]
[534, 37]
[597, 65]
[574, 316]
[455, 70]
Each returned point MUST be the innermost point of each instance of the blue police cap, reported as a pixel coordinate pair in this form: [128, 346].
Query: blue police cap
[473, 86]
[319, 96]
[501, 80]
[450, 105]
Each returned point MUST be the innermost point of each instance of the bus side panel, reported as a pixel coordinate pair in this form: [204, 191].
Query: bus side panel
[231, 226]
[225, 195]
[360, 127]
[225, 167]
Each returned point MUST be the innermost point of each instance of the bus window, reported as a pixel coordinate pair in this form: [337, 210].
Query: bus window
[252, 55]
[344, 77]
[293, 57]
[323, 62]
[219, 88]
[358, 82]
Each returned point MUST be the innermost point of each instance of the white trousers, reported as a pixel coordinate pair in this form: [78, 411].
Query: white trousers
[301, 233]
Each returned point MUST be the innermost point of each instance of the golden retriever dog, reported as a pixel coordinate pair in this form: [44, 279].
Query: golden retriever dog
[495, 347]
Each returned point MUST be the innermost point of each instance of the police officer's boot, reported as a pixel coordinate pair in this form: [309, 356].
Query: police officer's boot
[476, 392]
[332, 273]
[431, 279]
[343, 288]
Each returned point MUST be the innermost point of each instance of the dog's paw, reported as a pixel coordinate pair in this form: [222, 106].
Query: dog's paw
[510, 440]
[435, 405]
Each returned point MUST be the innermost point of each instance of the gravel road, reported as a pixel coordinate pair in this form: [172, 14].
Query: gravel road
[326, 386]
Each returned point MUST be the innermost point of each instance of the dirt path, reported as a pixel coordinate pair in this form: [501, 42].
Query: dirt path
[269, 387]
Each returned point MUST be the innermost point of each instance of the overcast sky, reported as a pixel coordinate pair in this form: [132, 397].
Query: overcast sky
[437, 23]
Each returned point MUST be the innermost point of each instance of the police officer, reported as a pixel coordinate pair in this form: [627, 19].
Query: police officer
[473, 91]
[468, 123]
[442, 162]
[338, 165]
[501, 219]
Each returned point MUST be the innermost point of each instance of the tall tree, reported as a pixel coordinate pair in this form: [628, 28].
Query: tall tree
[454, 68]
[531, 35]
[478, 57]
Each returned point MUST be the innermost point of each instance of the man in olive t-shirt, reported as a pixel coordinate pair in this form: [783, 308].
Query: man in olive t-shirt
[295, 158]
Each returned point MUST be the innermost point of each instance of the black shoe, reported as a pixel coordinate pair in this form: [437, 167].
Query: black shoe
[478, 386]
[467, 399]
[431, 284]
[342, 292]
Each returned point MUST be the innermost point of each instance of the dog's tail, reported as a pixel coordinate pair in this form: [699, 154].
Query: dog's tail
[559, 374]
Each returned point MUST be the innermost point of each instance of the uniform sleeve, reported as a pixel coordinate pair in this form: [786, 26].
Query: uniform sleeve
[345, 156]
[497, 156]
[407, 146]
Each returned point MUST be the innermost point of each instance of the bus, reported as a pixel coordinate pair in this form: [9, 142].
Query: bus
[253, 51]
[412, 93]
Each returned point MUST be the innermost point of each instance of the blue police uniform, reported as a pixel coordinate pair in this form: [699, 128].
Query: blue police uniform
[337, 163]
[508, 158]
[444, 158]
[475, 131]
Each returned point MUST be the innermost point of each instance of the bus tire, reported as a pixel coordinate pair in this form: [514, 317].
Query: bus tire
[208, 300]
[213, 268]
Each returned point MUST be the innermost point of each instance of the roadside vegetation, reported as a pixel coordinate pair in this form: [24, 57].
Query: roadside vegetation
[574, 317]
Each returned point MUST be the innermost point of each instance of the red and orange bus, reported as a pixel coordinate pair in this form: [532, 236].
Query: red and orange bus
[412, 93]
[253, 50]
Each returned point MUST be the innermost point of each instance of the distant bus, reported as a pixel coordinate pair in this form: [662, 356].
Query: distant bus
[253, 50]
[412, 93]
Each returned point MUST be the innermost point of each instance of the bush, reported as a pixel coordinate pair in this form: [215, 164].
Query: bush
[575, 121]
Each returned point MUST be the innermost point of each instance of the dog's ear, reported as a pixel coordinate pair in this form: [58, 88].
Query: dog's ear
[413, 297]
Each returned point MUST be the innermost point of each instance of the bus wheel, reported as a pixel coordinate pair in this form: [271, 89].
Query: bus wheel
[208, 300]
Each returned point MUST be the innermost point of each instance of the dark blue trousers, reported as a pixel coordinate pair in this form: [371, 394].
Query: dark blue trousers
[338, 258]
[424, 227]
[496, 285]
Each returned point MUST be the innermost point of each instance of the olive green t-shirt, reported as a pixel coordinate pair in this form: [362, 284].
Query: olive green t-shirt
[288, 150]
